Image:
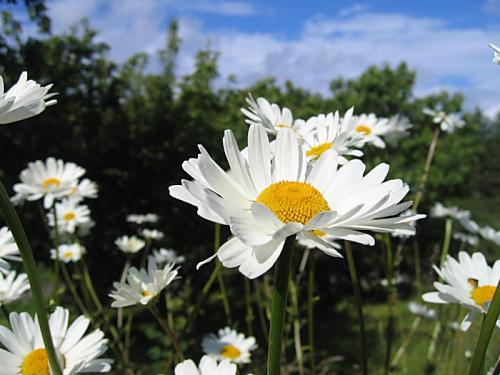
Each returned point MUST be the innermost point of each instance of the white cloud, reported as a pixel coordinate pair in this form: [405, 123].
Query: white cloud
[492, 6]
[232, 8]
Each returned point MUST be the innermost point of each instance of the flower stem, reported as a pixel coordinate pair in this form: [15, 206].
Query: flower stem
[402, 349]
[280, 290]
[296, 325]
[359, 304]
[391, 301]
[55, 239]
[119, 313]
[310, 313]
[220, 279]
[10, 216]
[446, 241]
[485, 334]
[168, 330]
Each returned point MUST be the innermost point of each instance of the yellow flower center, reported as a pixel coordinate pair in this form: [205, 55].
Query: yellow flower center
[293, 201]
[363, 129]
[316, 151]
[281, 126]
[68, 216]
[319, 232]
[67, 254]
[36, 363]
[146, 293]
[51, 182]
[483, 294]
[230, 352]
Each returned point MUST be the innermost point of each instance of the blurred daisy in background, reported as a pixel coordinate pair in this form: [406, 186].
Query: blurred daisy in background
[469, 239]
[490, 234]
[83, 189]
[419, 309]
[152, 234]
[12, 286]
[496, 54]
[68, 253]
[440, 210]
[372, 128]
[8, 250]
[69, 215]
[24, 99]
[470, 281]
[229, 345]
[397, 127]
[130, 244]
[448, 122]
[163, 256]
[142, 218]
[207, 366]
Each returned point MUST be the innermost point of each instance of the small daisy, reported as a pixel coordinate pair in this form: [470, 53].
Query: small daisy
[372, 128]
[69, 215]
[490, 234]
[496, 54]
[78, 353]
[8, 250]
[141, 219]
[130, 244]
[397, 127]
[50, 180]
[12, 288]
[466, 238]
[422, 310]
[23, 100]
[68, 253]
[163, 256]
[152, 234]
[143, 285]
[83, 189]
[470, 281]
[447, 122]
[440, 210]
[207, 366]
[229, 345]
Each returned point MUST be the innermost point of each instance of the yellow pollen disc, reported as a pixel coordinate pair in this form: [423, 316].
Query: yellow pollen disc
[68, 216]
[483, 294]
[363, 129]
[230, 352]
[36, 363]
[146, 293]
[51, 182]
[319, 232]
[67, 254]
[294, 201]
[317, 151]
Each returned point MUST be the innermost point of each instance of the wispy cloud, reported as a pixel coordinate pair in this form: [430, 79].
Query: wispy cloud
[492, 6]
[353, 9]
[230, 8]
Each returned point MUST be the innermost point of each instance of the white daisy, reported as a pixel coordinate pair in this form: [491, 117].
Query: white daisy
[407, 213]
[11, 287]
[496, 53]
[207, 366]
[83, 189]
[466, 238]
[469, 282]
[264, 201]
[163, 256]
[69, 215]
[152, 234]
[25, 353]
[447, 121]
[49, 180]
[8, 250]
[490, 234]
[141, 219]
[396, 128]
[440, 210]
[321, 133]
[68, 253]
[372, 128]
[422, 310]
[143, 285]
[23, 100]
[130, 244]
[229, 345]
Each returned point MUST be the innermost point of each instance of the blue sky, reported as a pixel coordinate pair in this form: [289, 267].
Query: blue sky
[311, 42]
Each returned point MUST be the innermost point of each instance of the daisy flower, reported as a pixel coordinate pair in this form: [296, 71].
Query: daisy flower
[83, 189]
[68, 253]
[229, 345]
[264, 200]
[396, 128]
[447, 122]
[440, 210]
[48, 180]
[421, 310]
[143, 285]
[470, 281]
[372, 128]
[69, 215]
[130, 244]
[78, 353]
[141, 219]
[23, 100]
[466, 238]
[330, 132]
[207, 366]
[163, 256]
[496, 53]
[12, 286]
[490, 234]
[152, 234]
[8, 250]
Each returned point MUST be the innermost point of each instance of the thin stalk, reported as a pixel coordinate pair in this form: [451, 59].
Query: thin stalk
[73, 291]
[416, 259]
[248, 307]
[310, 313]
[485, 334]
[220, 279]
[55, 239]
[128, 333]
[404, 345]
[359, 305]
[119, 313]
[14, 224]
[432, 347]
[89, 285]
[261, 310]
[446, 241]
[296, 325]
[391, 301]
[280, 291]
[168, 330]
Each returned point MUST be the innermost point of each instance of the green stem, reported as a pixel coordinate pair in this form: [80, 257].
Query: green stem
[220, 279]
[446, 241]
[119, 313]
[402, 349]
[310, 313]
[73, 290]
[261, 310]
[418, 277]
[57, 262]
[296, 325]
[280, 290]
[248, 307]
[13, 222]
[359, 304]
[391, 301]
[485, 334]
[168, 330]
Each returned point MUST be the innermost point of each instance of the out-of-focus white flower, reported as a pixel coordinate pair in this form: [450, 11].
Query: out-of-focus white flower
[422, 310]
[163, 256]
[152, 234]
[23, 100]
[496, 54]
[11, 287]
[207, 366]
[447, 122]
[68, 253]
[373, 128]
[141, 219]
[8, 250]
[470, 282]
[440, 210]
[130, 244]
[229, 345]
[48, 180]
[490, 234]
[470, 225]
[143, 285]
[400, 279]
[397, 127]
[78, 353]
[69, 215]
[466, 238]
[83, 189]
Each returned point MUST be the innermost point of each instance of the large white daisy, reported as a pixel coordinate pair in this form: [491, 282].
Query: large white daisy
[229, 345]
[23, 100]
[470, 281]
[69, 215]
[13, 286]
[78, 353]
[8, 250]
[447, 121]
[265, 199]
[48, 180]
[496, 54]
[207, 366]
